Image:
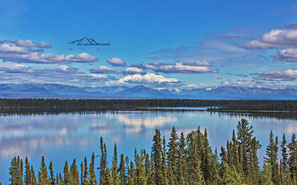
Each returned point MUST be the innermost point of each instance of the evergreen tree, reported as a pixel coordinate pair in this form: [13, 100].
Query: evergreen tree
[86, 172]
[28, 175]
[74, 173]
[103, 163]
[292, 161]
[13, 170]
[42, 173]
[115, 176]
[182, 166]
[157, 157]
[284, 154]
[67, 176]
[52, 176]
[82, 173]
[122, 169]
[172, 157]
[244, 137]
[266, 175]
[92, 177]
[33, 176]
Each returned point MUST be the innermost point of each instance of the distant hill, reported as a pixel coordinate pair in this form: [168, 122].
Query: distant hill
[66, 91]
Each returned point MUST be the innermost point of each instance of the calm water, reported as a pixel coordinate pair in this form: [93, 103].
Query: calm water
[67, 136]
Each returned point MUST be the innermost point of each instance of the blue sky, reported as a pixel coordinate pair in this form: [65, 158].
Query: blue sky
[159, 44]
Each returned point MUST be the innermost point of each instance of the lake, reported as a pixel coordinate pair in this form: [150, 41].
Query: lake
[61, 137]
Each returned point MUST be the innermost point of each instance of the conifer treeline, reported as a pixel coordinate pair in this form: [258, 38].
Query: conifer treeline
[181, 161]
[115, 104]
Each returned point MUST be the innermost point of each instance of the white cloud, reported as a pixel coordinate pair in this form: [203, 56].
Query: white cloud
[180, 67]
[288, 55]
[287, 75]
[133, 70]
[147, 78]
[103, 70]
[17, 68]
[275, 39]
[22, 52]
[116, 62]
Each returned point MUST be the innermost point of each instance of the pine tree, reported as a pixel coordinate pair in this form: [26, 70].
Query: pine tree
[86, 172]
[13, 171]
[157, 157]
[115, 176]
[284, 154]
[82, 173]
[244, 137]
[67, 176]
[52, 176]
[33, 176]
[206, 158]
[181, 165]
[164, 166]
[42, 173]
[103, 163]
[74, 173]
[92, 177]
[195, 175]
[172, 157]
[28, 175]
[266, 175]
[122, 169]
[292, 161]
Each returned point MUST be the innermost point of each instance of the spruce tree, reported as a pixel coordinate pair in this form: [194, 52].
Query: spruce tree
[74, 173]
[13, 171]
[42, 173]
[181, 165]
[33, 176]
[157, 157]
[292, 161]
[86, 172]
[122, 169]
[67, 176]
[172, 156]
[92, 175]
[284, 154]
[82, 173]
[52, 176]
[244, 137]
[115, 176]
[28, 174]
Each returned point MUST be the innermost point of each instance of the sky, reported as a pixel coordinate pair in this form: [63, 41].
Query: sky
[159, 44]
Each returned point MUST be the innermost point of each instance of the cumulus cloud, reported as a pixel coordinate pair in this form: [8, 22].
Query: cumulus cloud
[29, 43]
[22, 51]
[133, 70]
[103, 70]
[179, 67]
[278, 38]
[147, 78]
[116, 62]
[287, 75]
[17, 68]
[288, 55]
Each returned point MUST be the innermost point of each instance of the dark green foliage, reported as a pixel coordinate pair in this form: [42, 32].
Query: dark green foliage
[42, 173]
[52, 176]
[74, 173]
[92, 177]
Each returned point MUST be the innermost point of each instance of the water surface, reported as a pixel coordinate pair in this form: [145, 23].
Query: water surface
[66, 136]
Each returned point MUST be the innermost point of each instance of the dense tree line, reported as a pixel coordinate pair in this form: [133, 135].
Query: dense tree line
[71, 105]
[181, 161]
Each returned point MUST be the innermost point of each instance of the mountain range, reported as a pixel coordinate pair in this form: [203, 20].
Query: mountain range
[66, 91]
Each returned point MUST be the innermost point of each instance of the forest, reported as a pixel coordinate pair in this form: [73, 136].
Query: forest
[183, 160]
[60, 105]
